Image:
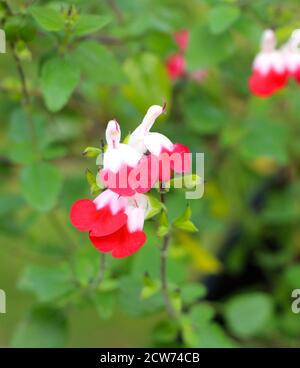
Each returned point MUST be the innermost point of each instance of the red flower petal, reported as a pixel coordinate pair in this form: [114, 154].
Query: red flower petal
[106, 223]
[122, 243]
[83, 214]
[185, 164]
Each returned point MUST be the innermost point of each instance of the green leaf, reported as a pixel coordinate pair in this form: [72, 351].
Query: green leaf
[206, 49]
[44, 327]
[155, 206]
[192, 292]
[184, 223]
[92, 180]
[59, 78]
[249, 314]
[184, 181]
[41, 185]
[91, 56]
[222, 17]
[148, 81]
[91, 152]
[47, 18]
[87, 24]
[150, 288]
[47, 283]
[104, 302]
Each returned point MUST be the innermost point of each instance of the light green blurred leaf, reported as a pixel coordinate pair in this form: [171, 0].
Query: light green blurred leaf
[221, 17]
[192, 292]
[206, 49]
[59, 78]
[41, 185]
[249, 314]
[44, 327]
[47, 283]
[48, 18]
[148, 84]
[98, 63]
[104, 302]
[89, 23]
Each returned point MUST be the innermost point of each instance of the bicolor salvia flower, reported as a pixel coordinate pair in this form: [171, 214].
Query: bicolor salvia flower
[272, 67]
[115, 219]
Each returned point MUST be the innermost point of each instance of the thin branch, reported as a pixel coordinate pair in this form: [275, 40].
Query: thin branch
[99, 278]
[163, 269]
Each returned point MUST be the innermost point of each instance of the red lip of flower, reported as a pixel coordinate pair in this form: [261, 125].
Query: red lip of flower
[114, 223]
[101, 217]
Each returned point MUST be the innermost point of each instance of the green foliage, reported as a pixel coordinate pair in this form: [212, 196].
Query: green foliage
[41, 185]
[48, 18]
[68, 69]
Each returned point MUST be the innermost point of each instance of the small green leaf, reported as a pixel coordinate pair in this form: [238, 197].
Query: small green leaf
[150, 288]
[184, 223]
[248, 315]
[155, 207]
[192, 292]
[163, 227]
[104, 302]
[87, 24]
[44, 327]
[91, 179]
[222, 17]
[41, 185]
[189, 181]
[165, 332]
[91, 152]
[47, 18]
[59, 78]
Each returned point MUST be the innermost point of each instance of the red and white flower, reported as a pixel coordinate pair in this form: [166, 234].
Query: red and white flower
[269, 69]
[118, 161]
[291, 54]
[130, 237]
[170, 156]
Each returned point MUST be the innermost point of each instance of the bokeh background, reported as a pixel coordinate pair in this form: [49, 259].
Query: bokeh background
[70, 66]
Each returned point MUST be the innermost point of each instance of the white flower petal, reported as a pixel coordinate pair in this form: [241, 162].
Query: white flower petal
[129, 155]
[155, 142]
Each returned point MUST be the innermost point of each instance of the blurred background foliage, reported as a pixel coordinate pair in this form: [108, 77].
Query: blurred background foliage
[70, 66]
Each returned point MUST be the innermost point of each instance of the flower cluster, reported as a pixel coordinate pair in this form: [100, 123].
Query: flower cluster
[273, 67]
[115, 219]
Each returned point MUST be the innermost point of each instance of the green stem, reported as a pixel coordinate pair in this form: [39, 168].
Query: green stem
[99, 278]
